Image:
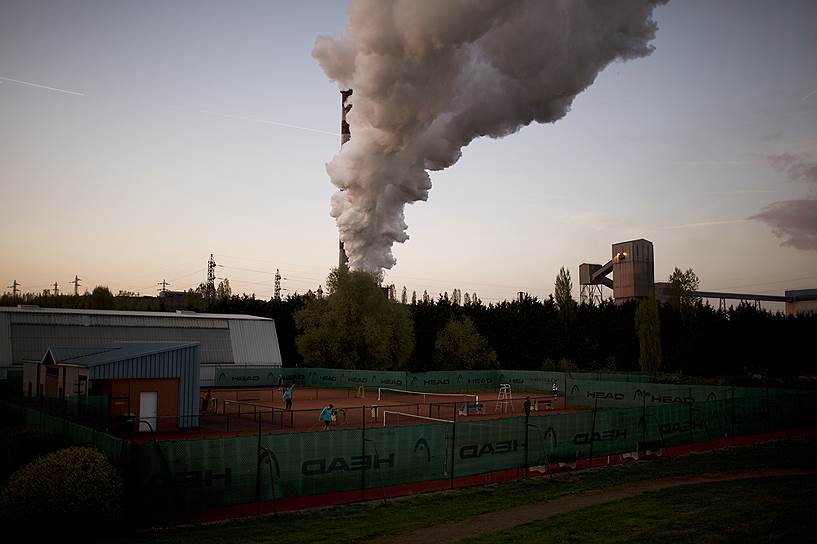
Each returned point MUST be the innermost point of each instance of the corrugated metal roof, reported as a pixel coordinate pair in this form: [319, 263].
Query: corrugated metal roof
[181, 314]
[254, 343]
[112, 353]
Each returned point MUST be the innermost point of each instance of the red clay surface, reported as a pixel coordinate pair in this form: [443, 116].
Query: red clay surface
[250, 411]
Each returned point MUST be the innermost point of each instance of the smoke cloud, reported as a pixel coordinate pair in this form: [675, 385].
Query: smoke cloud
[430, 77]
[794, 220]
[797, 168]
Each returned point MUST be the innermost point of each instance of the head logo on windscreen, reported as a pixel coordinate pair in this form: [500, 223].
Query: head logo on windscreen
[268, 456]
[422, 445]
[551, 433]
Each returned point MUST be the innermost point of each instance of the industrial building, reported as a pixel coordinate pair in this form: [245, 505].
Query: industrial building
[632, 265]
[152, 386]
[26, 332]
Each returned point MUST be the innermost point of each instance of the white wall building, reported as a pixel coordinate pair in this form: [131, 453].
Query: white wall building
[26, 332]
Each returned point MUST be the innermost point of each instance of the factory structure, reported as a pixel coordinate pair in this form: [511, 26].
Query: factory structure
[28, 332]
[632, 265]
[345, 136]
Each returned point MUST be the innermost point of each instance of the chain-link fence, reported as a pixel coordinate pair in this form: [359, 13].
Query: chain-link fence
[426, 446]
[440, 381]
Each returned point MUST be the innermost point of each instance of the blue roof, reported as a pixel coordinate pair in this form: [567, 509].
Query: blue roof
[112, 353]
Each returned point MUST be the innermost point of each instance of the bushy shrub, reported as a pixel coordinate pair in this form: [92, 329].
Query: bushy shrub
[68, 485]
[22, 444]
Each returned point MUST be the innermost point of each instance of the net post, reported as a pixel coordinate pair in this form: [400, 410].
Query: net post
[363, 456]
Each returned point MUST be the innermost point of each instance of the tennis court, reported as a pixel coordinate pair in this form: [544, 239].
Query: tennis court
[251, 410]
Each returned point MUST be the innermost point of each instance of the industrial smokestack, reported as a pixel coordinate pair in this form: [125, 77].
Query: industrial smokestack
[430, 77]
[345, 135]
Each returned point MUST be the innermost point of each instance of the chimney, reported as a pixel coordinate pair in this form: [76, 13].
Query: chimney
[345, 135]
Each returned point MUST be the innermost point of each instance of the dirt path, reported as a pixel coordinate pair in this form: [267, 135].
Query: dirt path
[504, 519]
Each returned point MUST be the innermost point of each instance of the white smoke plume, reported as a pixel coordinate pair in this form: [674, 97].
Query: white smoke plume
[431, 76]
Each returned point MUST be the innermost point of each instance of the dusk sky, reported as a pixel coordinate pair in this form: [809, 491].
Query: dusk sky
[139, 137]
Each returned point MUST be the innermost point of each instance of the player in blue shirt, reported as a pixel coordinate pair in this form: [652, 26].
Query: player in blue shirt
[288, 397]
[326, 416]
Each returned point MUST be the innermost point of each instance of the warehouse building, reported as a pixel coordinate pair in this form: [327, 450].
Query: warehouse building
[26, 332]
[152, 386]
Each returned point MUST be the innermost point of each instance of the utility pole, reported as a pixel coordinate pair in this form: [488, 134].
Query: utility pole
[56, 289]
[14, 285]
[164, 285]
[76, 283]
[211, 278]
[277, 290]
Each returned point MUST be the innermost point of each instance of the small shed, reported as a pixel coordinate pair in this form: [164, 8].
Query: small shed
[156, 382]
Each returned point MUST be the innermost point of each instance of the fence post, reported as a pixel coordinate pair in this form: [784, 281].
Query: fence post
[691, 435]
[527, 416]
[643, 422]
[733, 415]
[566, 389]
[363, 456]
[453, 445]
[593, 431]
[258, 472]
[768, 415]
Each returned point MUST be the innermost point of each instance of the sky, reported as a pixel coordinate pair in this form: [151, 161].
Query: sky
[137, 138]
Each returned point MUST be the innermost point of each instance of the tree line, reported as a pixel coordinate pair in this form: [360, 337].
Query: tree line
[357, 324]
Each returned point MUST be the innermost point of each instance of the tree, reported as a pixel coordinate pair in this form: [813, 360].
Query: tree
[223, 291]
[682, 287]
[355, 326]
[414, 297]
[403, 296]
[460, 346]
[649, 335]
[101, 298]
[467, 298]
[426, 299]
[563, 294]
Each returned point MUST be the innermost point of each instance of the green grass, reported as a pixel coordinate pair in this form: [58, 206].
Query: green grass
[763, 510]
[362, 522]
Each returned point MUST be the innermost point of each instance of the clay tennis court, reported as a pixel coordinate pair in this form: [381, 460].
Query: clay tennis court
[252, 410]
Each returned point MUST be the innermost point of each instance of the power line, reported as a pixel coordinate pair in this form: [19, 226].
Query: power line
[76, 283]
[14, 285]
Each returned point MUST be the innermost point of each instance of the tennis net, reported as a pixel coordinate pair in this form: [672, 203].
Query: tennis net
[413, 397]
[394, 418]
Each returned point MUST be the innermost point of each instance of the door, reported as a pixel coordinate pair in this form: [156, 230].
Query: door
[148, 405]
